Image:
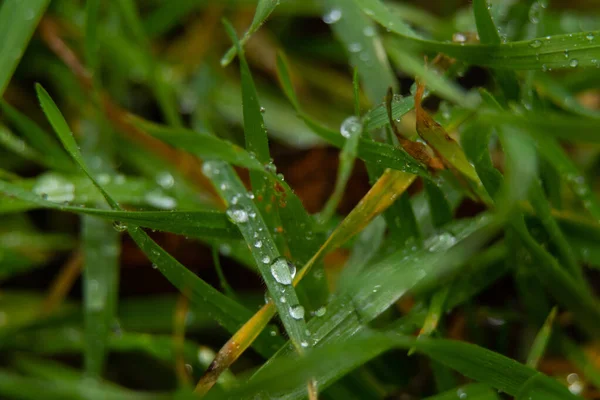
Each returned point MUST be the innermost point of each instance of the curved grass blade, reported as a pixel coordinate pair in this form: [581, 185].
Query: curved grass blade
[18, 21]
[542, 53]
[201, 224]
[39, 139]
[66, 137]
[224, 310]
[201, 145]
[263, 10]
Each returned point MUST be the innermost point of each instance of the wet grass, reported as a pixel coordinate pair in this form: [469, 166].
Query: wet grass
[227, 200]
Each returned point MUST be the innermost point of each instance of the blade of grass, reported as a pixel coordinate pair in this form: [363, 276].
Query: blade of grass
[264, 8]
[274, 269]
[37, 137]
[541, 341]
[201, 145]
[18, 21]
[101, 249]
[542, 53]
[202, 224]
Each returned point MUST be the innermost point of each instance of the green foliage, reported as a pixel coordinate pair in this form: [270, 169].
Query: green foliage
[453, 267]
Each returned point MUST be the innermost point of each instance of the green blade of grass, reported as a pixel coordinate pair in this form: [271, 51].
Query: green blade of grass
[202, 145]
[544, 212]
[441, 212]
[37, 137]
[477, 391]
[541, 341]
[257, 143]
[263, 10]
[245, 215]
[18, 21]
[65, 135]
[101, 249]
[223, 309]
[542, 53]
[202, 224]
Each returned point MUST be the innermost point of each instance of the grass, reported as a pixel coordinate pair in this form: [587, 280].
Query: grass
[199, 208]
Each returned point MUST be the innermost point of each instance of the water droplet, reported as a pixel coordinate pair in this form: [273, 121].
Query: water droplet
[566, 53]
[297, 312]
[266, 260]
[103, 179]
[154, 266]
[333, 16]
[250, 195]
[573, 63]
[189, 369]
[461, 394]
[237, 214]
[535, 13]
[54, 188]
[205, 356]
[354, 47]
[119, 226]
[262, 110]
[283, 271]
[590, 36]
[209, 169]
[319, 312]
[350, 127]
[258, 244]
[160, 200]
[270, 167]
[304, 343]
[165, 180]
[440, 242]
[369, 31]
[273, 332]
[535, 44]
[225, 249]
[459, 37]
[575, 384]
[544, 67]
